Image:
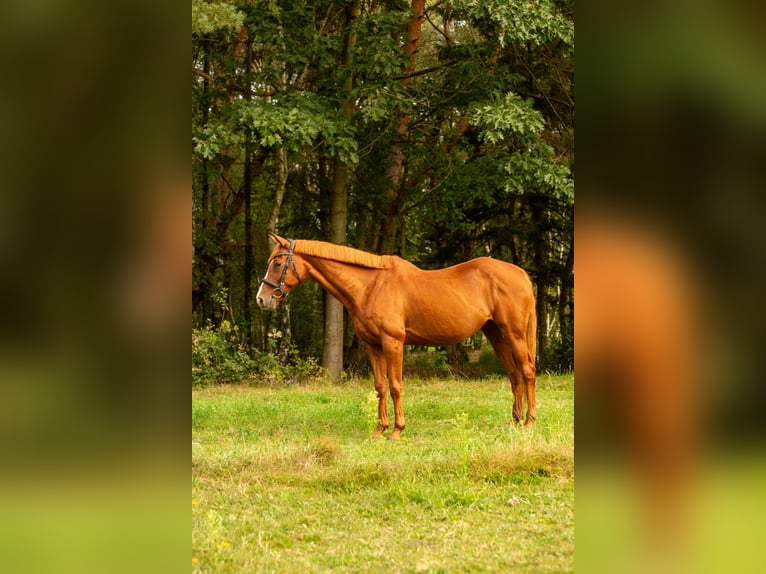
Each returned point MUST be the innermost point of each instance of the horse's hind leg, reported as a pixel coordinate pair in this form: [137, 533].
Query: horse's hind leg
[504, 352]
[526, 371]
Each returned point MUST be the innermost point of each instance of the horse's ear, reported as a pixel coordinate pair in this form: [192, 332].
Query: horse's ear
[276, 239]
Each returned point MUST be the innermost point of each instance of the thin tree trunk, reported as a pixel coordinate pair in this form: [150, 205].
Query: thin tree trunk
[283, 311]
[395, 168]
[248, 271]
[565, 306]
[248, 191]
[285, 341]
[281, 159]
[332, 353]
[200, 292]
[539, 220]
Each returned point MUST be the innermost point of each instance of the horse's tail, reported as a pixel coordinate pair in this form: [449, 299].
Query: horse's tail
[532, 335]
[531, 349]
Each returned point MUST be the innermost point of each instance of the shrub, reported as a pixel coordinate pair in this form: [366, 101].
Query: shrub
[427, 364]
[489, 364]
[218, 357]
[298, 370]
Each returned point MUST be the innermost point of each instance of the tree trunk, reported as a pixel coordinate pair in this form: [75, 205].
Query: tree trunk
[248, 271]
[565, 303]
[285, 341]
[395, 168]
[201, 291]
[539, 220]
[281, 159]
[332, 352]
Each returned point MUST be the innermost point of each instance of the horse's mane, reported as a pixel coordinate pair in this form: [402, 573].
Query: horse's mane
[343, 254]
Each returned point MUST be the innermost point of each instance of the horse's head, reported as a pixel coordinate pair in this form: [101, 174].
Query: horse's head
[281, 275]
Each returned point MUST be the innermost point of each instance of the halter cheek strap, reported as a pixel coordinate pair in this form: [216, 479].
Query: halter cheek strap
[290, 262]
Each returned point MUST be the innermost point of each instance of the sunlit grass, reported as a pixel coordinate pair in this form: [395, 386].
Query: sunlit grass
[288, 480]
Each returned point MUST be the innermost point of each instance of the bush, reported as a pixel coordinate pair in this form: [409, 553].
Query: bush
[217, 357]
[302, 371]
[489, 364]
[427, 364]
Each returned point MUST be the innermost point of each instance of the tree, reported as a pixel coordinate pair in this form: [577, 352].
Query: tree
[439, 131]
[332, 354]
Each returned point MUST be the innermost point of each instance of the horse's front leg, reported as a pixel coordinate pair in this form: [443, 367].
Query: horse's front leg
[381, 387]
[393, 350]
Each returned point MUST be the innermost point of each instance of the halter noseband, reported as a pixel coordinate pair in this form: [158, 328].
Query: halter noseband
[279, 287]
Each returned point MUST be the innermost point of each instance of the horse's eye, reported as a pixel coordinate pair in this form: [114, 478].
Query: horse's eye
[277, 265]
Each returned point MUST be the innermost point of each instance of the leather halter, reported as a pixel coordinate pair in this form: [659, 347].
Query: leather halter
[279, 287]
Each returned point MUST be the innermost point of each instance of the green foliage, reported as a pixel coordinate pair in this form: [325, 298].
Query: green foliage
[558, 357]
[299, 370]
[293, 123]
[378, 52]
[212, 139]
[297, 121]
[522, 21]
[537, 170]
[509, 114]
[427, 364]
[218, 357]
[484, 128]
[489, 363]
[211, 16]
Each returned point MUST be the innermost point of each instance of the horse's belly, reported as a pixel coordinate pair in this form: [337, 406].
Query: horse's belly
[447, 333]
[437, 340]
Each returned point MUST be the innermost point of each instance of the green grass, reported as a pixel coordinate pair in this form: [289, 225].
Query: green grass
[289, 480]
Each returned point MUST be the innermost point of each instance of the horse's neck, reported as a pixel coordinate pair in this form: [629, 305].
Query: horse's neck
[343, 281]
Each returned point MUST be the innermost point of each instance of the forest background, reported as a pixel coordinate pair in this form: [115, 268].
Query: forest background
[438, 131]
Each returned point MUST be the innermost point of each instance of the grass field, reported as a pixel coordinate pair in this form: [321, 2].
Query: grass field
[289, 480]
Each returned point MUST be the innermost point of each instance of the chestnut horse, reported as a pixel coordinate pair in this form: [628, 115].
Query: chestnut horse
[392, 303]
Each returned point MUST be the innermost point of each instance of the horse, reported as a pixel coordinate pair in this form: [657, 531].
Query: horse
[393, 303]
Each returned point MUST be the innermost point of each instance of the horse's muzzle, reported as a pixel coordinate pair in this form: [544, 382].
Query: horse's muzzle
[268, 304]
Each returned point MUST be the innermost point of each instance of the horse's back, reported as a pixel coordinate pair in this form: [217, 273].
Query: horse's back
[482, 284]
[470, 275]
[501, 273]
